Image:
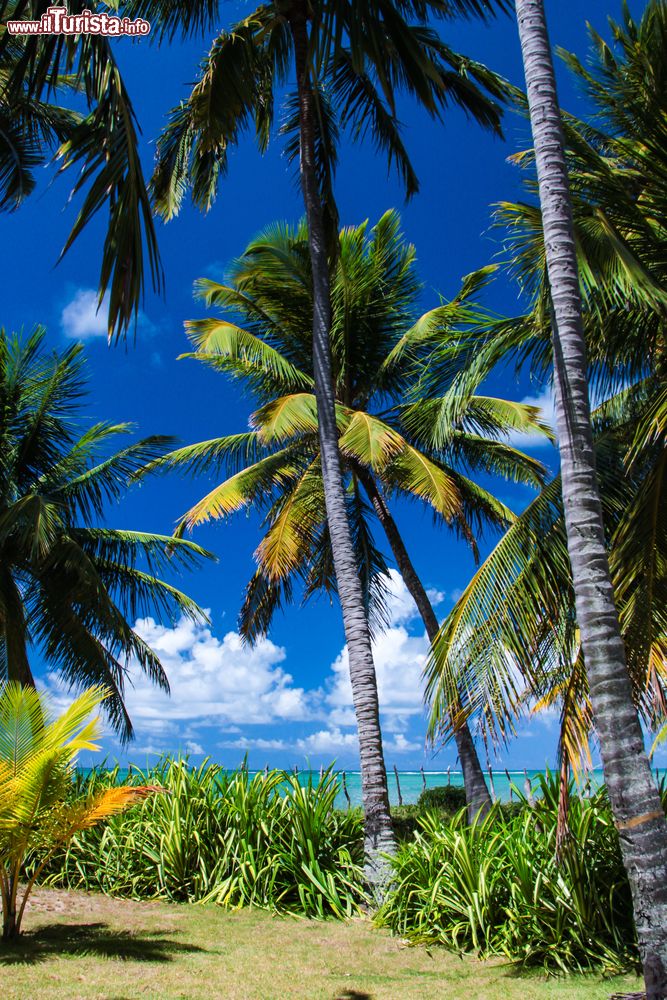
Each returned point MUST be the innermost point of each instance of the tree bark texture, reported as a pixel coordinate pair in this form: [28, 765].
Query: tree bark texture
[378, 836]
[477, 794]
[635, 802]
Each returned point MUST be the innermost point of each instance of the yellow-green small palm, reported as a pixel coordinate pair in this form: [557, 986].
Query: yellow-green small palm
[37, 756]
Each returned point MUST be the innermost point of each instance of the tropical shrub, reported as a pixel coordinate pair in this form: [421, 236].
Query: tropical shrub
[224, 837]
[448, 798]
[502, 887]
[37, 815]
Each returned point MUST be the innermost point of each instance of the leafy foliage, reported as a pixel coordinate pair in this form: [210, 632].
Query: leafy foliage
[102, 143]
[264, 841]
[449, 798]
[499, 887]
[359, 58]
[378, 342]
[69, 584]
[511, 642]
[38, 814]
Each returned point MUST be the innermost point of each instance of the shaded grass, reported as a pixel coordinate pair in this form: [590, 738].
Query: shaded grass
[84, 945]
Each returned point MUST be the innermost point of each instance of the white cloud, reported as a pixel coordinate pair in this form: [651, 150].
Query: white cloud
[150, 750]
[400, 604]
[402, 745]
[342, 716]
[223, 685]
[254, 743]
[83, 318]
[218, 682]
[545, 402]
[399, 661]
[328, 741]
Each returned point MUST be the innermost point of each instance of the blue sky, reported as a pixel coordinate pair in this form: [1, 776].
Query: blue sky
[289, 698]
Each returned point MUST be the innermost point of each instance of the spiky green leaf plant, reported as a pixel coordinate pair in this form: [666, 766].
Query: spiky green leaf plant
[37, 817]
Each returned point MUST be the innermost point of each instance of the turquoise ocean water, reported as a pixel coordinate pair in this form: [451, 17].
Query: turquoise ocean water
[412, 783]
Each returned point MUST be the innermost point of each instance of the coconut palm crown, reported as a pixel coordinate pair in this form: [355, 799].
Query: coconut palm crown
[377, 340]
[512, 638]
[69, 585]
[389, 447]
[95, 132]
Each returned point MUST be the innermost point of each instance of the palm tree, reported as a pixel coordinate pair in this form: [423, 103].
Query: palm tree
[634, 797]
[377, 343]
[102, 143]
[350, 59]
[511, 642]
[68, 584]
[37, 760]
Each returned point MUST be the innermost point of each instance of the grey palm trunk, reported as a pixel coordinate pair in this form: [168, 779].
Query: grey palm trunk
[634, 798]
[378, 832]
[477, 793]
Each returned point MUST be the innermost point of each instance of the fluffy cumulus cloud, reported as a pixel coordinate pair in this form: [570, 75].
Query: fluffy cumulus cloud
[228, 695]
[544, 402]
[399, 660]
[217, 682]
[84, 318]
[247, 692]
[326, 743]
[401, 608]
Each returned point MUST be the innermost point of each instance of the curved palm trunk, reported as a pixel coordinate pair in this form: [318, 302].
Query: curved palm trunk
[378, 833]
[634, 798]
[477, 793]
[15, 631]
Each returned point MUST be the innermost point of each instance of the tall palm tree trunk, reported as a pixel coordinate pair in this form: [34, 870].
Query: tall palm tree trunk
[15, 629]
[635, 802]
[378, 833]
[477, 793]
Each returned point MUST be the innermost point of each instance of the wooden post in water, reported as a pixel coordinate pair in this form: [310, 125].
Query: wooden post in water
[321, 772]
[449, 774]
[423, 776]
[345, 791]
[492, 787]
[266, 770]
[509, 782]
[398, 787]
[528, 788]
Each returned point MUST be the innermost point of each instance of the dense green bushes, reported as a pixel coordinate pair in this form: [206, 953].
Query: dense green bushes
[448, 798]
[496, 888]
[264, 841]
[499, 887]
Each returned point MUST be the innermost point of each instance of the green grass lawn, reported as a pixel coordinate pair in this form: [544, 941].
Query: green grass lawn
[80, 945]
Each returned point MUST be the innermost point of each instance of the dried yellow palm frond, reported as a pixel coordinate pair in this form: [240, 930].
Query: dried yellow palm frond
[242, 489]
[286, 417]
[411, 470]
